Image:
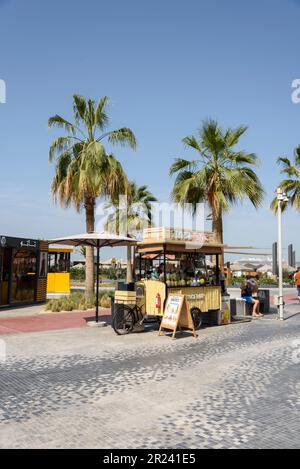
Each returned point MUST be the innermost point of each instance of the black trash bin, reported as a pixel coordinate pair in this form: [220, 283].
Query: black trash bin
[116, 308]
[123, 286]
[264, 298]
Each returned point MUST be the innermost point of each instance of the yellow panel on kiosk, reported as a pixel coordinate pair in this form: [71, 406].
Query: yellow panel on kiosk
[58, 282]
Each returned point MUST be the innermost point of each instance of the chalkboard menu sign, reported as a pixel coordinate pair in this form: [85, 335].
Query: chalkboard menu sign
[177, 315]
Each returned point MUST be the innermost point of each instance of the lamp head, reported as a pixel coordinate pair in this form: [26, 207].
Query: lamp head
[281, 195]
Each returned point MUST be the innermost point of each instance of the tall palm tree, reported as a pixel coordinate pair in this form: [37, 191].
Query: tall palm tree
[84, 170]
[136, 216]
[220, 176]
[291, 185]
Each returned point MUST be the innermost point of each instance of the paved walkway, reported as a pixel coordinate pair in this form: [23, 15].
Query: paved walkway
[234, 386]
[48, 321]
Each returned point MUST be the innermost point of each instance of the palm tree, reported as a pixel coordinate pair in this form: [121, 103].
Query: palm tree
[220, 176]
[84, 170]
[136, 216]
[291, 185]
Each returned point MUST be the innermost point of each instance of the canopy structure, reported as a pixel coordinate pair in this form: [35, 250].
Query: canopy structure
[265, 269]
[96, 240]
[240, 268]
[289, 269]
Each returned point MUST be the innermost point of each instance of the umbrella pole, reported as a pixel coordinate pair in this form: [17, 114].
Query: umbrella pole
[97, 284]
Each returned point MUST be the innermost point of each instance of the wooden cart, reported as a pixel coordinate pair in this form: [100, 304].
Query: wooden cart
[170, 261]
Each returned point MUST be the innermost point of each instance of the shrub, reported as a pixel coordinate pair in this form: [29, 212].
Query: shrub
[78, 300]
[105, 301]
[77, 273]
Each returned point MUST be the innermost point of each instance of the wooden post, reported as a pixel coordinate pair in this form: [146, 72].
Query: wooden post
[217, 270]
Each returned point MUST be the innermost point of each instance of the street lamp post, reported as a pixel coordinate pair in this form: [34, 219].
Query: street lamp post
[282, 198]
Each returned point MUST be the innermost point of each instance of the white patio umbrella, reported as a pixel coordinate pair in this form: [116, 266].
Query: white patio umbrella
[96, 240]
[265, 269]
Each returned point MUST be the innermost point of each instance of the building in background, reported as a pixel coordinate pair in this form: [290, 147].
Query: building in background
[112, 263]
[257, 267]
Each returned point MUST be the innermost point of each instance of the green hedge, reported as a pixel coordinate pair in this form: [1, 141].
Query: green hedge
[79, 301]
[264, 281]
[78, 274]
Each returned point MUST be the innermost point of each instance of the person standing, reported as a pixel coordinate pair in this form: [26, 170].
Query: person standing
[297, 282]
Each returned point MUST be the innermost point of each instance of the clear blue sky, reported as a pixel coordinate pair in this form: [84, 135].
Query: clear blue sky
[166, 66]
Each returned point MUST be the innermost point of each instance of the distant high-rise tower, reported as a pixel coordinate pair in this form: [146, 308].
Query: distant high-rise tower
[275, 259]
[291, 256]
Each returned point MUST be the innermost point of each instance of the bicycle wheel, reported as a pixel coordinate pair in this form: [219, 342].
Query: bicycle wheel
[123, 320]
[197, 318]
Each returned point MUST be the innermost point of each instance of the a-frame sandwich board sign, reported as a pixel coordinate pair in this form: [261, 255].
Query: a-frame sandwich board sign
[176, 315]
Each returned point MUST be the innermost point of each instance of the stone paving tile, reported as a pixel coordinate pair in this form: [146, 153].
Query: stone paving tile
[233, 387]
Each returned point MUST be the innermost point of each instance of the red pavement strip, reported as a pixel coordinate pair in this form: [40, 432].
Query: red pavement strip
[49, 322]
[289, 299]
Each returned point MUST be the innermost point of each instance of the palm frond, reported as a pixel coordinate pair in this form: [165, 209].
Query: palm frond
[60, 122]
[181, 164]
[101, 117]
[274, 205]
[212, 137]
[90, 118]
[192, 142]
[189, 188]
[123, 136]
[79, 107]
[59, 145]
[242, 157]
[291, 185]
[297, 156]
[232, 136]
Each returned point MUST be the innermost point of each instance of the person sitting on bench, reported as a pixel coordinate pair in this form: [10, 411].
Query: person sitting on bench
[247, 295]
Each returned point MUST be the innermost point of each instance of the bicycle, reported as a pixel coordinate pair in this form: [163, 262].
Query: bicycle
[126, 317]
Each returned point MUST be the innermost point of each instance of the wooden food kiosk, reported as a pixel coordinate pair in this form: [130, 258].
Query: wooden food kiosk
[184, 262]
[23, 271]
